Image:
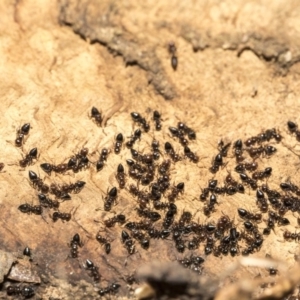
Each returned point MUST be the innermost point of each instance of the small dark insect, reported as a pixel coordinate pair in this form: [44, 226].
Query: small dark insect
[110, 199]
[63, 216]
[111, 289]
[27, 252]
[127, 242]
[216, 163]
[27, 160]
[102, 159]
[24, 130]
[120, 176]
[223, 148]
[260, 175]
[249, 181]
[74, 244]
[179, 188]
[96, 116]
[241, 167]
[172, 50]
[34, 209]
[121, 219]
[38, 183]
[47, 202]
[155, 150]
[169, 217]
[119, 142]
[174, 62]
[1, 166]
[75, 187]
[164, 167]
[238, 151]
[170, 151]
[157, 120]
[146, 213]
[104, 241]
[136, 136]
[48, 168]
[244, 214]
[24, 291]
[191, 155]
[93, 270]
[137, 118]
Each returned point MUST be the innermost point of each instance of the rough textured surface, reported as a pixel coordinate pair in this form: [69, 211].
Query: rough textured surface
[58, 59]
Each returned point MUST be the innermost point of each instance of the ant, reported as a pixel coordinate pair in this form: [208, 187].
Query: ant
[73, 187]
[217, 163]
[288, 236]
[47, 202]
[174, 59]
[179, 134]
[189, 154]
[96, 116]
[170, 151]
[187, 130]
[137, 118]
[280, 220]
[27, 252]
[119, 142]
[27, 208]
[38, 183]
[249, 181]
[74, 244]
[27, 160]
[155, 149]
[267, 150]
[179, 188]
[261, 201]
[146, 213]
[238, 151]
[120, 176]
[102, 159]
[59, 193]
[234, 186]
[241, 167]
[128, 242]
[157, 120]
[260, 175]
[24, 130]
[25, 291]
[169, 217]
[136, 136]
[93, 270]
[48, 168]
[210, 207]
[111, 289]
[104, 241]
[292, 127]
[244, 214]
[223, 149]
[63, 216]
[110, 199]
[117, 219]
[164, 167]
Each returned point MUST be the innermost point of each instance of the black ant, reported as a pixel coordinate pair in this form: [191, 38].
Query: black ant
[267, 150]
[136, 136]
[110, 199]
[93, 270]
[179, 134]
[27, 252]
[116, 219]
[27, 160]
[111, 289]
[174, 59]
[75, 187]
[96, 116]
[102, 159]
[179, 188]
[24, 130]
[191, 155]
[244, 214]
[48, 168]
[261, 201]
[288, 236]
[47, 202]
[104, 241]
[146, 213]
[169, 217]
[137, 118]
[187, 130]
[170, 151]
[217, 163]
[223, 148]
[292, 127]
[164, 167]
[74, 244]
[210, 207]
[27, 208]
[58, 192]
[63, 216]
[155, 149]
[260, 175]
[121, 176]
[38, 183]
[128, 242]
[278, 219]
[119, 142]
[238, 151]
[249, 181]
[241, 167]
[25, 291]
[157, 120]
